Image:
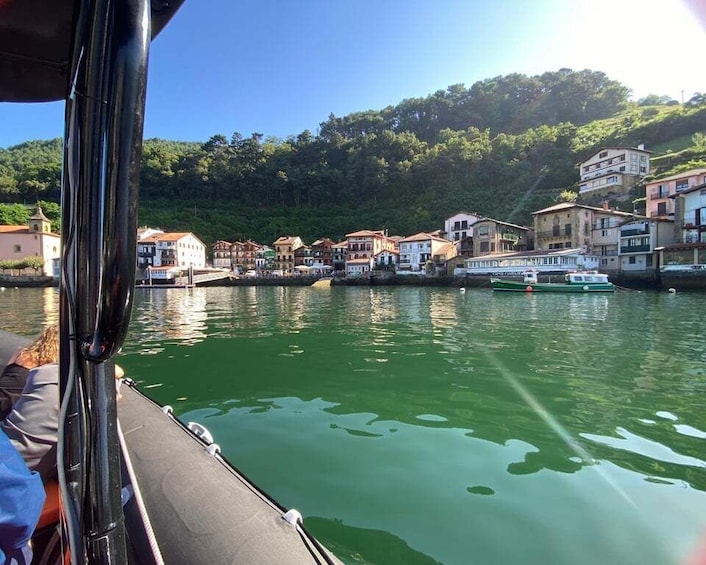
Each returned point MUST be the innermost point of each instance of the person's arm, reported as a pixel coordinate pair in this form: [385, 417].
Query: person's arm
[34, 421]
[21, 500]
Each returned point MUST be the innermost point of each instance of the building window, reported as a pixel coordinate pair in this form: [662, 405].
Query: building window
[567, 229]
[631, 260]
[602, 154]
[682, 185]
[17, 248]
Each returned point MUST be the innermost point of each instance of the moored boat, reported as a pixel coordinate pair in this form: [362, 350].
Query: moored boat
[574, 282]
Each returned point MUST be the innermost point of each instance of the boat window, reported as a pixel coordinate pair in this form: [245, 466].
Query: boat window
[578, 278]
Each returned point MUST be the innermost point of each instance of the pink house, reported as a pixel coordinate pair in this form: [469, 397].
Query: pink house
[33, 240]
[658, 192]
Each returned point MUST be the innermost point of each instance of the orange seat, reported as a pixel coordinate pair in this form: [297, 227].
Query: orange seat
[50, 511]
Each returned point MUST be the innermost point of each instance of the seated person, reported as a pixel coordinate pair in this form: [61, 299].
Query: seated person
[32, 423]
[21, 500]
[44, 350]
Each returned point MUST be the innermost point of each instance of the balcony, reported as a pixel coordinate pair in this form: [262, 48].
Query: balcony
[635, 249]
[634, 231]
[658, 194]
[511, 237]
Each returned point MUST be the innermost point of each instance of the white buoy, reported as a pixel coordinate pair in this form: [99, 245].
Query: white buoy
[672, 290]
[462, 289]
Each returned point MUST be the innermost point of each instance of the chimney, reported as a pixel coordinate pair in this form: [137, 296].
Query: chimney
[641, 146]
[606, 205]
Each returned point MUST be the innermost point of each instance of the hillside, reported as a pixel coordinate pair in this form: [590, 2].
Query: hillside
[503, 147]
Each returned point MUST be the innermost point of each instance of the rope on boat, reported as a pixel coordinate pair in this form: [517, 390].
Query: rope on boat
[138, 499]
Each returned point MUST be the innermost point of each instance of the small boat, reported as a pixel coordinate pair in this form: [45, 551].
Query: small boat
[574, 282]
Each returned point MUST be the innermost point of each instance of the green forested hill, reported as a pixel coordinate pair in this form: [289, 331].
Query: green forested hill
[503, 147]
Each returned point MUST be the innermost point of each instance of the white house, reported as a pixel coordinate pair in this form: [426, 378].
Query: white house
[179, 249]
[614, 169]
[458, 226]
[416, 250]
[639, 238]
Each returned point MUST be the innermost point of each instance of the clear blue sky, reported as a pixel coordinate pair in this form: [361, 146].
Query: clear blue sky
[279, 67]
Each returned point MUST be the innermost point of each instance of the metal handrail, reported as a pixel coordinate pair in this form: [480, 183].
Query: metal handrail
[103, 141]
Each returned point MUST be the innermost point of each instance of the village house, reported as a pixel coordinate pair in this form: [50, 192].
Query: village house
[613, 170]
[459, 226]
[181, 250]
[339, 251]
[222, 257]
[494, 236]
[639, 240]
[575, 226]
[362, 247]
[688, 252]
[658, 203]
[417, 250]
[243, 255]
[285, 247]
[33, 240]
[322, 251]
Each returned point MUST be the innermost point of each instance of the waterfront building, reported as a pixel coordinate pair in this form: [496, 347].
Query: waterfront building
[244, 254]
[285, 247]
[639, 240]
[685, 259]
[33, 240]
[387, 260]
[179, 249]
[303, 256]
[264, 258]
[542, 261]
[339, 252]
[362, 246]
[570, 226]
[322, 251]
[658, 201]
[459, 226]
[222, 258]
[494, 236]
[613, 170]
[418, 249]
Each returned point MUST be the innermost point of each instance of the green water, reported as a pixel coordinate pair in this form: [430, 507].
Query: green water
[419, 425]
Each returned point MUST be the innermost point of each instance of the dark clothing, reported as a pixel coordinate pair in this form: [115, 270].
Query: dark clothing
[12, 381]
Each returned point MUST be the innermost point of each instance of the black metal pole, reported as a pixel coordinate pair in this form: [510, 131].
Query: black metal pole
[103, 143]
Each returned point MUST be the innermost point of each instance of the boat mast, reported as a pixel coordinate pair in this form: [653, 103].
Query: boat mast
[103, 142]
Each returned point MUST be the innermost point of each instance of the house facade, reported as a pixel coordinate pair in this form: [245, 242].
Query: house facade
[181, 250]
[639, 240]
[613, 169]
[494, 236]
[362, 246]
[417, 250]
[459, 226]
[687, 255]
[33, 240]
[658, 193]
[322, 251]
[222, 258]
[285, 247]
[339, 252]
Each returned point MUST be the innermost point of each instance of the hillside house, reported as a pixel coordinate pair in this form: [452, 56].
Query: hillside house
[613, 170]
[657, 193]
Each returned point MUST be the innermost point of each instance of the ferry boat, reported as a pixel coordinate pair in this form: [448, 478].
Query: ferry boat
[574, 282]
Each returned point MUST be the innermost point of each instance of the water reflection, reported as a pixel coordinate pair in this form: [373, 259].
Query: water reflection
[433, 415]
[169, 315]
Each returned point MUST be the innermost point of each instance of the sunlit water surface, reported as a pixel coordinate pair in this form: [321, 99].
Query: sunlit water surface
[419, 426]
